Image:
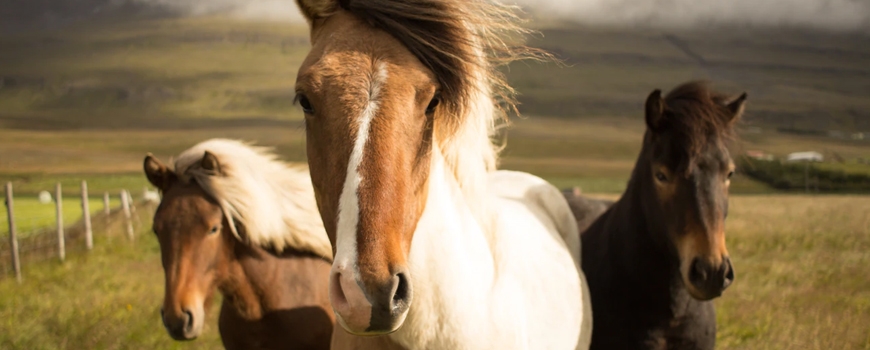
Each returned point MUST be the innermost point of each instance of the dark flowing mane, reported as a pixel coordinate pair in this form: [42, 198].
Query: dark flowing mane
[696, 116]
[456, 39]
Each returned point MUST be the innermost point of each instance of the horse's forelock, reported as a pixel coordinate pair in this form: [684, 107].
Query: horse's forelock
[697, 117]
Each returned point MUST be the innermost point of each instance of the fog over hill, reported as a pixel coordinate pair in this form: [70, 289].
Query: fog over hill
[847, 15]
[836, 15]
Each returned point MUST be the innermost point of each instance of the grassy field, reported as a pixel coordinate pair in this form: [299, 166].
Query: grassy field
[801, 267]
[31, 184]
[31, 215]
[801, 283]
[107, 299]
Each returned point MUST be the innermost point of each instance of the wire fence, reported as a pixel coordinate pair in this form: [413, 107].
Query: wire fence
[34, 232]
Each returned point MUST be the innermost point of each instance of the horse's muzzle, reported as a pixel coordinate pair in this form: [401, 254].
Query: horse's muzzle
[708, 280]
[182, 327]
[370, 311]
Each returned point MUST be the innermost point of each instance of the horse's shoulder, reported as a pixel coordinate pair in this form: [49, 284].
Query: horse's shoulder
[535, 191]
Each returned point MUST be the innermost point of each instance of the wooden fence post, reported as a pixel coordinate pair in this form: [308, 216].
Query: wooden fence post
[130, 202]
[13, 238]
[106, 208]
[125, 204]
[86, 215]
[58, 199]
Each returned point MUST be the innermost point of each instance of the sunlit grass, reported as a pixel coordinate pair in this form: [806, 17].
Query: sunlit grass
[31, 216]
[109, 298]
[801, 267]
[801, 264]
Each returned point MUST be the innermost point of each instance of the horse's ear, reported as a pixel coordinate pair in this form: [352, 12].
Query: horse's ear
[158, 174]
[655, 110]
[210, 163]
[318, 9]
[736, 107]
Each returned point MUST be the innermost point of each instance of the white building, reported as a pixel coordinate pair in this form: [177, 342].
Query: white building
[805, 156]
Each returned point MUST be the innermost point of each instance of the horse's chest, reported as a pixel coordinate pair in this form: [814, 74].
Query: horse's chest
[296, 328]
[620, 327]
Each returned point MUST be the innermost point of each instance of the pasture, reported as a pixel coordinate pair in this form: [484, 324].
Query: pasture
[88, 101]
[801, 264]
[107, 299]
[31, 215]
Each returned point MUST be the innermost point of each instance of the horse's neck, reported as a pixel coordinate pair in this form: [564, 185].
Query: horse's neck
[633, 250]
[255, 281]
[450, 253]
[275, 300]
[239, 288]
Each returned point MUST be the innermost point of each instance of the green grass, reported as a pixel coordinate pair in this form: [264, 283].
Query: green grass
[153, 72]
[800, 263]
[801, 266]
[31, 184]
[109, 298]
[31, 215]
[849, 168]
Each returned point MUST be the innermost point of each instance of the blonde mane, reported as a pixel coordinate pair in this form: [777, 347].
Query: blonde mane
[463, 42]
[273, 201]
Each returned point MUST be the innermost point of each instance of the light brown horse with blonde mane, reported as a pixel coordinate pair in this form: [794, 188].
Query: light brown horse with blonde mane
[434, 248]
[233, 218]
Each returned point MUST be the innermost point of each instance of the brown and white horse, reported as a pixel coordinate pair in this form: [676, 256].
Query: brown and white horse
[234, 219]
[434, 249]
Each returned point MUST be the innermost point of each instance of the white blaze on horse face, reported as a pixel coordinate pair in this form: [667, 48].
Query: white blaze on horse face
[345, 264]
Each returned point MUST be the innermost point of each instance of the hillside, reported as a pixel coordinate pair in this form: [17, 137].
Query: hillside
[92, 96]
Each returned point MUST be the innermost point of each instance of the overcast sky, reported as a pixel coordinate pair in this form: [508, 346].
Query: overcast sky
[826, 14]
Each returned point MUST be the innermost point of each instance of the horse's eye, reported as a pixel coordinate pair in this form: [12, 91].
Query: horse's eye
[661, 176]
[730, 174]
[213, 230]
[432, 104]
[305, 103]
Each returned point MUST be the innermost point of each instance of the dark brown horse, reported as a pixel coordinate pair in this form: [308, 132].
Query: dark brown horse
[657, 256]
[233, 219]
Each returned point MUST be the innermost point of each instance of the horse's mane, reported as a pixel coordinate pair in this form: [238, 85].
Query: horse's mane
[696, 115]
[272, 201]
[463, 42]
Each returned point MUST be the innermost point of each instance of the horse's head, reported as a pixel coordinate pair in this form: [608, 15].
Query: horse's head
[194, 246]
[369, 107]
[383, 89]
[687, 167]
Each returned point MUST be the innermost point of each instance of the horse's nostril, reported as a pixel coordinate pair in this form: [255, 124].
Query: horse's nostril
[697, 274]
[336, 292]
[402, 288]
[728, 271]
[188, 321]
[399, 302]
